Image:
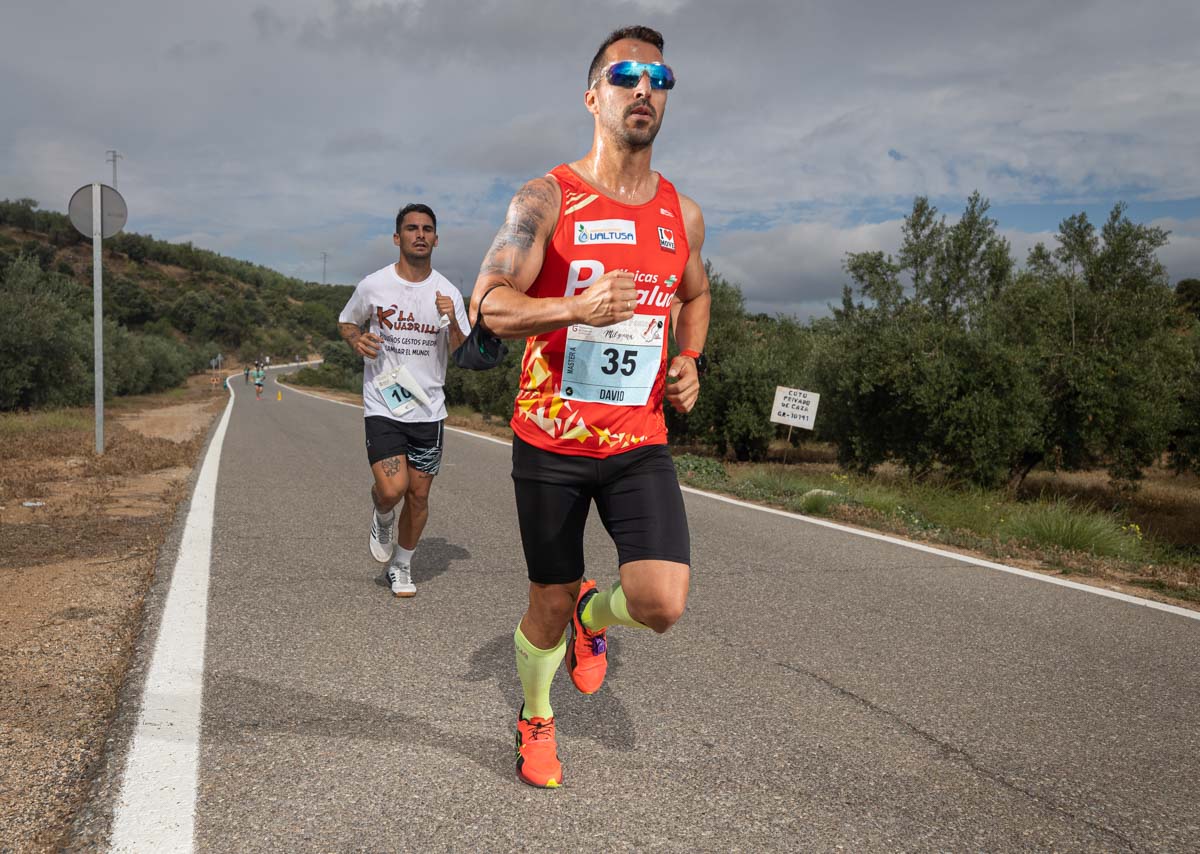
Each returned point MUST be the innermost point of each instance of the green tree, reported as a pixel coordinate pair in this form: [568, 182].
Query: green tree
[1187, 296]
[45, 339]
[927, 378]
[127, 302]
[1110, 359]
[1185, 438]
[748, 357]
[19, 213]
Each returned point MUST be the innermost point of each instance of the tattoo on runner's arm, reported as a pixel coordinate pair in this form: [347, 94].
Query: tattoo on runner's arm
[527, 213]
[392, 465]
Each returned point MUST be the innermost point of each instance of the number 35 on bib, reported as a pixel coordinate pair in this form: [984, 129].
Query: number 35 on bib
[615, 364]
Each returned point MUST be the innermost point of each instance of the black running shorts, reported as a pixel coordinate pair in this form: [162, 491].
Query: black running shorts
[420, 442]
[636, 493]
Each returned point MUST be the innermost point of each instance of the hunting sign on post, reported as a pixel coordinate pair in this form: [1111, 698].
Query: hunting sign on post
[795, 407]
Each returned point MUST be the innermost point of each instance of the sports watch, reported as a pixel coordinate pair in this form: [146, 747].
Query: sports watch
[699, 358]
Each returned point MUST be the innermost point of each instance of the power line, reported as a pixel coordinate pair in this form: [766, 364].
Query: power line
[112, 157]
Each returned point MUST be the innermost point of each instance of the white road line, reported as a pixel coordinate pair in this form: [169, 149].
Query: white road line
[319, 397]
[1000, 567]
[156, 809]
[921, 547]
[483, 436]
[358, 406]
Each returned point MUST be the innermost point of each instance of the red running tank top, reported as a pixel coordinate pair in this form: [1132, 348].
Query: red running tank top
[598, 391]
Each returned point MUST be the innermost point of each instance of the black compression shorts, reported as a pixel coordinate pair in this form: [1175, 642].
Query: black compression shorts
[637, 496]
[421, 442]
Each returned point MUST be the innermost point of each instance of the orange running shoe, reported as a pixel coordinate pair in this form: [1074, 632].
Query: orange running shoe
[587, 656]
[537, 752]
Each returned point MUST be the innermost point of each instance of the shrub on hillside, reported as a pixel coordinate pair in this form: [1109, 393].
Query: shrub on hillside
[46, 356]
[45, 339]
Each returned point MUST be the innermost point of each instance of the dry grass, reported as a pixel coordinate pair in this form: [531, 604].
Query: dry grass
[1147, 543]
[1166, 506]
[35, 458]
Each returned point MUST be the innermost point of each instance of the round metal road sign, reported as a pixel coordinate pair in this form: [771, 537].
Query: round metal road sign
[113, 212]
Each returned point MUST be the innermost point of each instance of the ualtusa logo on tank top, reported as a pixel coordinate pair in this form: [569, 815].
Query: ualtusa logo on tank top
[606, 231]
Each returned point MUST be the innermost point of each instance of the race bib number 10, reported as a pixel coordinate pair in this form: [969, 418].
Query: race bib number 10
[399, 399]
[615, 364]
[400, 390]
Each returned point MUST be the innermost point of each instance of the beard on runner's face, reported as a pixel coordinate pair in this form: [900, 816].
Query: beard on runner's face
[639, 135]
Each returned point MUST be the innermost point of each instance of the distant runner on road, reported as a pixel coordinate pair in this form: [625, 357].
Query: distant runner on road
[260, 377]
[586, 267]
[405, 351]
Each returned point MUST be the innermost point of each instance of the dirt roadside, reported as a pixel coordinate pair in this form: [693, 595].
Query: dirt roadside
[79, 540]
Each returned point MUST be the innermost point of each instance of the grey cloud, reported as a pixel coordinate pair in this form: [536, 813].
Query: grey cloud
[352, 143]
[300, 136]
[191, 50]
[796, 267]
[1182, 254]
[269, 24]
[409, 30]
[523, 147]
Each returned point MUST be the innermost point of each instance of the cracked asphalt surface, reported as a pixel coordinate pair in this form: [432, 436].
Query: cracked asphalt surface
[823, 691]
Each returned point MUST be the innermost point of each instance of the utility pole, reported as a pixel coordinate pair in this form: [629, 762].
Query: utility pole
[113, 157]
[324, 258]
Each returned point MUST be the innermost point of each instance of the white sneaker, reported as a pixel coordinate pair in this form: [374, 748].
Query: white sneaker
[381, 538]
[400, 577]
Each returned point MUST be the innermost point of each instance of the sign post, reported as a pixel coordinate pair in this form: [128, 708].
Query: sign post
[795, 408]
[98, 211]
[98, 311]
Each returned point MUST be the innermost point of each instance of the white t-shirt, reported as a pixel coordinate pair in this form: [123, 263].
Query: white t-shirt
[404, 314]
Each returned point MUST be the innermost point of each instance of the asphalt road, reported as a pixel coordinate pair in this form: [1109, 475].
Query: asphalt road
[823, 691]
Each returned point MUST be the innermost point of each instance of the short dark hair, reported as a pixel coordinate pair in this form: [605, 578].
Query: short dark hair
[641, 34]
[415, 207]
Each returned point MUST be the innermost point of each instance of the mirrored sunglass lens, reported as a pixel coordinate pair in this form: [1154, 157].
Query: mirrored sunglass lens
[661, 77]
[628, 74]
[624, 74]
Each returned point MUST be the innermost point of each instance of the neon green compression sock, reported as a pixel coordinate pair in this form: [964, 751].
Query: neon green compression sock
[536, 668]
[608, 608]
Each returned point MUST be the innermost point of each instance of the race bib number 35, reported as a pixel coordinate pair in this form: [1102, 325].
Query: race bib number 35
[613, 364]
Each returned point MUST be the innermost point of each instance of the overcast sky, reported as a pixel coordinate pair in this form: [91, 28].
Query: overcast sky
[275, 131]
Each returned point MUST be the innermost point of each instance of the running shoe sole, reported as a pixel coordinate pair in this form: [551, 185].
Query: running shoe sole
[377, 547]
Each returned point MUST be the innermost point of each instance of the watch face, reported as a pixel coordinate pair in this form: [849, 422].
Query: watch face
[702, 364]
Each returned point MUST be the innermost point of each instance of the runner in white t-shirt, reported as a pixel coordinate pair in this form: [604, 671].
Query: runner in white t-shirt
[404, 320]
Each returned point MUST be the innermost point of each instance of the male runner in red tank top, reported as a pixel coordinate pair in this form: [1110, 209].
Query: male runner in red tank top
[593, 264]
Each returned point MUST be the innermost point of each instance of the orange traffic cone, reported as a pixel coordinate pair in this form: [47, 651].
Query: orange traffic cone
[279, 395]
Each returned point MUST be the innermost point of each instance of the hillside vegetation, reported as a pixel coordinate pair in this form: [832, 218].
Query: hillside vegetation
[168, 308]
[950, 360]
